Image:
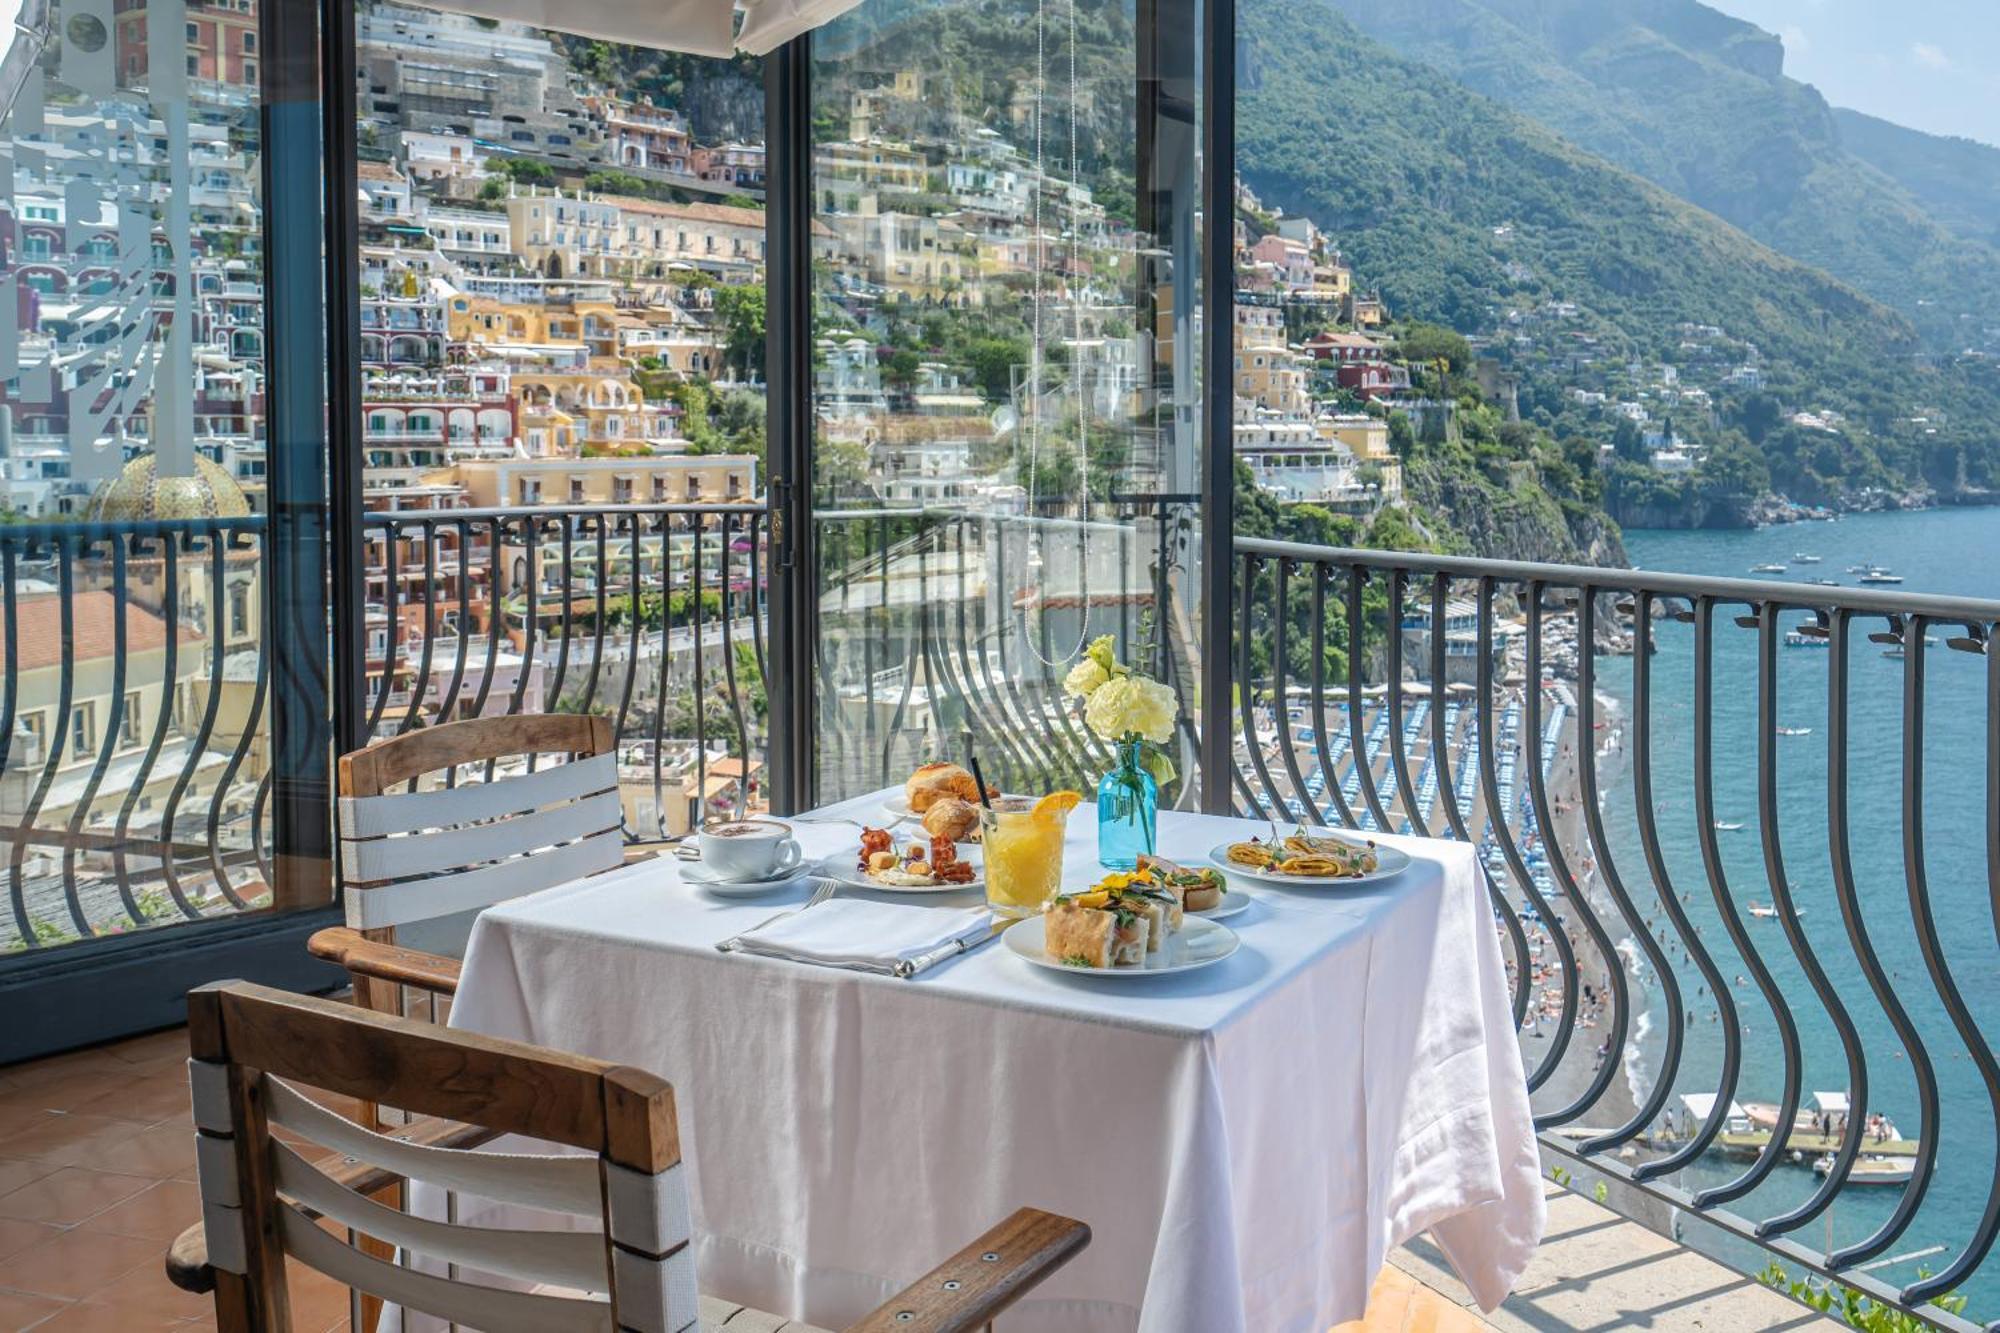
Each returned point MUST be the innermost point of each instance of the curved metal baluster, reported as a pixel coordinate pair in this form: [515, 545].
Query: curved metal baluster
[1656, 865]
[1838, 844]
[170, 600]
[666, 676]
[391, 534]
[1732, 921]
[1399, 758]
[635, 618]
[1317, 671]
[198, 744]
[56, 736]
[1048, 759]
[531, 615]
[1538, 793]
[114, 727]
[1280, 673]
[1795, 935]
[1356, 653]
[977, 702]
[10, 628]
[1244, 693]
[420, 685]
[894, 731]
[729, 677]
[700, 677]
[1441, 738]
[1590, 797]
[554, 696]
[245, 736]
[258, 845]
[874, 626]
[496, 615]
[993, 704]
[1503, 834]
[601, 573]
[1915, 877]
[759, 593]
[450, 700]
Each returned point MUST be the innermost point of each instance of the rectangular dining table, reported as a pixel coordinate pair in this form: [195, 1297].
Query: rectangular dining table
[1247, 1141]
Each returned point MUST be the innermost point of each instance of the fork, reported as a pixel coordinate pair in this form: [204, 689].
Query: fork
[822, 891]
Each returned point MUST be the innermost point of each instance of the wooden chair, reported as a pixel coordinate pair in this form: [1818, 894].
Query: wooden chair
[262, 1199]
[429, 853]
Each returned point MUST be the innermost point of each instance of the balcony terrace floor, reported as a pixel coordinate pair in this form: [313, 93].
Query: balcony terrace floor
[97, 1177]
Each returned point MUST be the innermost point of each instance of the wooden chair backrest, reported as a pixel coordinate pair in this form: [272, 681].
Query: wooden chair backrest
[261, 1196]
[424, 853]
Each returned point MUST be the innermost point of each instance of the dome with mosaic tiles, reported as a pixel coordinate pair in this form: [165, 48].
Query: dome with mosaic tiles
[140, 492]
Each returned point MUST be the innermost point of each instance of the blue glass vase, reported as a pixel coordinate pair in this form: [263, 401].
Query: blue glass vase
[1128, 811]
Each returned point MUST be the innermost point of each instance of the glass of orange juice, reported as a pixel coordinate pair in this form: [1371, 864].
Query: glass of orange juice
[1024, 850]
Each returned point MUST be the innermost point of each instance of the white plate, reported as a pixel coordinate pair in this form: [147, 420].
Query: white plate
[898, 805]
[702, 877]
[1234, 901]
[1197, 943]
[1390, 862]
[841, 867]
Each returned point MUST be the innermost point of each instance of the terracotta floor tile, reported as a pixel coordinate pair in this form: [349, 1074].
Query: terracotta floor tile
[147, 1284]
[66, 1092]
[146, 1098]
[159, 1214]
[76, 1263]
[163, 1151]
[94, 1317]
[69, 1194]
[16, 1172]
[20, 1310]
[318, 1302]
[16, 1235]
[72, 1139]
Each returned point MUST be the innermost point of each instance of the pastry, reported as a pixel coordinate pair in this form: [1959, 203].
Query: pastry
[952, 818]
[1198, 890]
[932, 783]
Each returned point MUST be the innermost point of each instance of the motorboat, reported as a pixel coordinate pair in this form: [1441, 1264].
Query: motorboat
[1766, 912]
[1799, 639]
[1728, 826]
[1881, 576]
[1801, 558]
[1869, 1170]
[1795, 731]
[1770, 569]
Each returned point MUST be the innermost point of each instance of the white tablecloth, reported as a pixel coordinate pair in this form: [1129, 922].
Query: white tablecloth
[1246, 1141]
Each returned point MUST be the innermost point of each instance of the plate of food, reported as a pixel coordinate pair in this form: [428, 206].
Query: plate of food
[1311, 859]
[888, 864]
[1203, 890]
[945, 797]
[1127, 925]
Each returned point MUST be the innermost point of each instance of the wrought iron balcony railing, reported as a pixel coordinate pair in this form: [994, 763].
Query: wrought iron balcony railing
[1466, 699]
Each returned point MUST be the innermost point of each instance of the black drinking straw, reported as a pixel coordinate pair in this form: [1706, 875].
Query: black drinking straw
[978, 778]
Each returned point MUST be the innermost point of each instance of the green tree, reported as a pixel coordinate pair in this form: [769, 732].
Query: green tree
[741, 312]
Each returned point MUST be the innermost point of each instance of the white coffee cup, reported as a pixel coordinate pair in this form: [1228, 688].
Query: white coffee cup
[750, 848]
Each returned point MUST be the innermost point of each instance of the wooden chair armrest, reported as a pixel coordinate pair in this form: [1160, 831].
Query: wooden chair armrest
[362, 956]
[187, 1262]
[990, 1274]
[187, 1257]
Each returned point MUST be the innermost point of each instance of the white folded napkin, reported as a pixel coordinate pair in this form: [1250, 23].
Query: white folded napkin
[896, 938]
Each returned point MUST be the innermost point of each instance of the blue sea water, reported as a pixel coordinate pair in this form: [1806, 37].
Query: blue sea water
[1946, 551]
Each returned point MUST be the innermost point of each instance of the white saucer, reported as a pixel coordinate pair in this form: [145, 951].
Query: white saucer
[702, 877]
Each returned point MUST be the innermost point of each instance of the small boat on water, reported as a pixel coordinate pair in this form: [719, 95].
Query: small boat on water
[1799, 639]
[1893, 654]
[1877, 574]
[1795, 731]
[1726, 826]
[1766, 912]
[1871, 1170]
[1770, 569]
[1824, 583]
[1801, 558]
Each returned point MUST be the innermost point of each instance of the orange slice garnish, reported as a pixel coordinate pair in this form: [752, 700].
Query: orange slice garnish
[1057, 804]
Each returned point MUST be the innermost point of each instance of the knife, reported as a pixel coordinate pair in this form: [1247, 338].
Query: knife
[910, 967]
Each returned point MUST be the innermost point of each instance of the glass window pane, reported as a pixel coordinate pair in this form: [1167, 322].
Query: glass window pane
[1006, 383]
[131, 372]
[561, 324]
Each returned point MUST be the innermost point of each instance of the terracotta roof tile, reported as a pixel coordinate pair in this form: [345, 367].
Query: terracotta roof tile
[95, 629]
